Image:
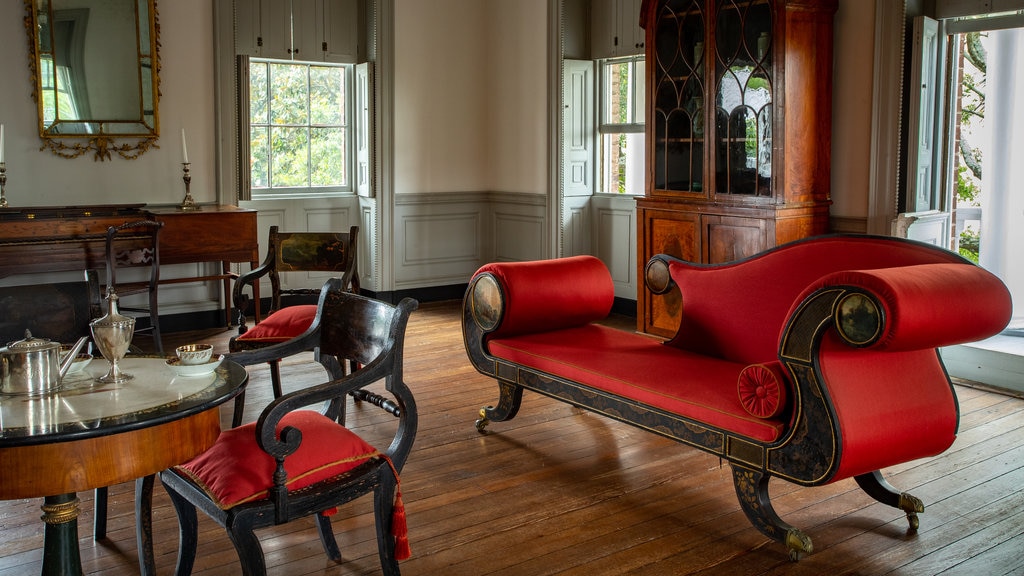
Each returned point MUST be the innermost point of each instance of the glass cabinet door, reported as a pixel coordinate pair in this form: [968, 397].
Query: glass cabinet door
[743, 98]
[678, 94]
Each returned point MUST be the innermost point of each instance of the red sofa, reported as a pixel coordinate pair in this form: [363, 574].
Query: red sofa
[811, 362]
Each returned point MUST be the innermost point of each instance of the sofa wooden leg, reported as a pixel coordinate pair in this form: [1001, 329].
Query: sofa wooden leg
[752, 491]
[510, 397]
[879, 488]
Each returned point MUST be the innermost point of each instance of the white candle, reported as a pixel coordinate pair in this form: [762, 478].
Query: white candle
[1, 143]
[184, 148]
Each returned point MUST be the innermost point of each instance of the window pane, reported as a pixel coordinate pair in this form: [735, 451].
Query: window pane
[259, 156]
[326, 95]
[298, 131]
[327, 152]
[639, 91]
[258, 93]
[622, 164]
[617, 96]
[289, 94]
[290, 150]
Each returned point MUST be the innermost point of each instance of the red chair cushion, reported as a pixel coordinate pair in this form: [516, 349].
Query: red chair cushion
[762, 389]
[236, 470]
[282, 325]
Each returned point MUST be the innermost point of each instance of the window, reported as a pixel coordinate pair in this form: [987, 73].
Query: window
[622, 126]
[300, 132]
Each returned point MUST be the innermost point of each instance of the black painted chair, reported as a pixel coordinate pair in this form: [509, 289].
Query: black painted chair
[294, 461]
[333, 252]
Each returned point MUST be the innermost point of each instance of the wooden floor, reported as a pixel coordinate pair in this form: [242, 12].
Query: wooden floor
[561, 491]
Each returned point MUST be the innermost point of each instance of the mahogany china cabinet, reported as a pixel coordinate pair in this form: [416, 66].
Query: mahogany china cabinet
[738, 128]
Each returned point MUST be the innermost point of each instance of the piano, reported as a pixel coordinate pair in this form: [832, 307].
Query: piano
[58, 239]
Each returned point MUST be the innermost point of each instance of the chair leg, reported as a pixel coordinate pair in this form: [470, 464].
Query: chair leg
[188, 532]
[383, 506]
[323, 526]
[99, 520]
[247, 546]
[236, 416]
[752, 491]
[879, 488]
[144, 524]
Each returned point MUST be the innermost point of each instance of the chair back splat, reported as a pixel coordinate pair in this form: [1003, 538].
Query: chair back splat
[137, 244]
[295, 461]
[329, 252]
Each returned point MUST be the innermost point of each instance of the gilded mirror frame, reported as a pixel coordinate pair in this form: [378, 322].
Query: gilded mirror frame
[128, 131]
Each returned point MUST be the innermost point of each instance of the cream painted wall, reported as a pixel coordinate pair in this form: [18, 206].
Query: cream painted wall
[519, 85]
[470, 96]
[39, 178]
[851, 113]
[441, 75]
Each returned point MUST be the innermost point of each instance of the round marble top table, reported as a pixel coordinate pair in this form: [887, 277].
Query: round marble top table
[88, 435]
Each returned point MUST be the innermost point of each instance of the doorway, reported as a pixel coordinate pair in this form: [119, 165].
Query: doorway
[988, 204]
[984, 172]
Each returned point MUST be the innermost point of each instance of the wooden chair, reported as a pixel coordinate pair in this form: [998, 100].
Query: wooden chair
[333, 252]
[295, 462]
[137, 244]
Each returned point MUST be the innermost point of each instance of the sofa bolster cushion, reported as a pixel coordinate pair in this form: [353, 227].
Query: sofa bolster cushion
[929, 305]
[282, 325]
[552, 294]
[763, 389]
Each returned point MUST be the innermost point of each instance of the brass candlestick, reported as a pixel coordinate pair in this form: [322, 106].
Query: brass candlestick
[188, 203]
[3, 183]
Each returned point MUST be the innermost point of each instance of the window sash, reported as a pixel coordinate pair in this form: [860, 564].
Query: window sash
[316, 137]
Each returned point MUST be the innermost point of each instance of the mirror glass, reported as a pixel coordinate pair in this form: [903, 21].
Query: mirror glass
[96, 71]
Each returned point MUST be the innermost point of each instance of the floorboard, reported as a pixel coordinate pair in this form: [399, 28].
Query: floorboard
[561, 491]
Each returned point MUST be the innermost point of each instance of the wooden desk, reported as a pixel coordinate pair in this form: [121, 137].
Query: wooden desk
[56, 239]
[89, 435]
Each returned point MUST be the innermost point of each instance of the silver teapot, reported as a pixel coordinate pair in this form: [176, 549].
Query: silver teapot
[33, 366]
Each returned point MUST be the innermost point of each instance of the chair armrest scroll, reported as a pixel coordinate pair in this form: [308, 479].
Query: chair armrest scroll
[917, 307]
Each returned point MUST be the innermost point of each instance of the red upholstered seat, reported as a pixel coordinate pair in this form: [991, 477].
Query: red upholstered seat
[235, 470]
[282, 325]
[637, 367]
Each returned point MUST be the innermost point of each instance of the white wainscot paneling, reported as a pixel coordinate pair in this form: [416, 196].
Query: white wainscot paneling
[615, 240]
[368, 263]
[518, 237]
[576, 227]
[438, 249]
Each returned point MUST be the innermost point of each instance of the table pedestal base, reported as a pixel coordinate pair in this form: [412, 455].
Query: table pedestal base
[60, 536]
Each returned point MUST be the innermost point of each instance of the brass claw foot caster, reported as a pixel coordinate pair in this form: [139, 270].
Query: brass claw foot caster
[482, 422]
[912, 505]
[799, 544]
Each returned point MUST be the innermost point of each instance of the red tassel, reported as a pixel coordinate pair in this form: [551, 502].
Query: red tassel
[400, 529]
[399, 525]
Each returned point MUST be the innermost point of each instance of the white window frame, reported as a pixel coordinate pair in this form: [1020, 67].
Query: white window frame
[606, 127]
[296, 192]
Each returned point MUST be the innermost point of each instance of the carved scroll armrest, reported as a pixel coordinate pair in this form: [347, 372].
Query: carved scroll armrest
[916, 307]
